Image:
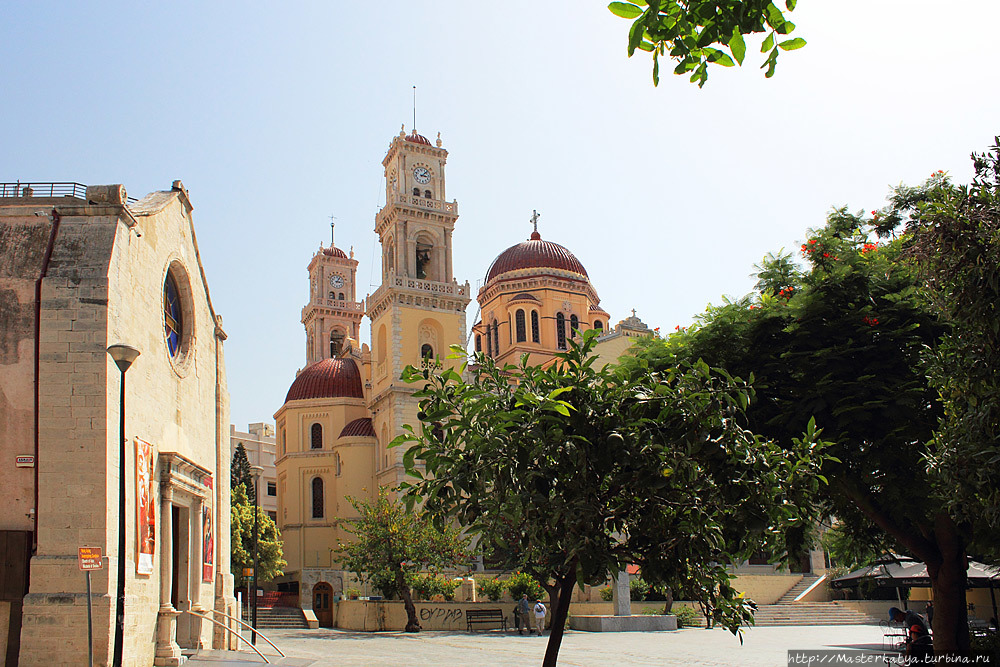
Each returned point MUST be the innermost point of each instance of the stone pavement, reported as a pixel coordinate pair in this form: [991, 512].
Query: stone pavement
[762, 647]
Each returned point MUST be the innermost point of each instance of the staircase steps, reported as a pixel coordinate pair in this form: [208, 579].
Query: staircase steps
[280, 617]
[798, 589]
[810, 613]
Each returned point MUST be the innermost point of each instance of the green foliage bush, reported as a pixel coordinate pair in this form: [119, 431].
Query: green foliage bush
[686, 616]
[607, 594]
[426, 586]
[521, 583]
[491, 587]
[641, 591]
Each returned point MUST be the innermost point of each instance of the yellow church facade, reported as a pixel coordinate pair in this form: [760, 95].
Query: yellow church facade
[348, 403]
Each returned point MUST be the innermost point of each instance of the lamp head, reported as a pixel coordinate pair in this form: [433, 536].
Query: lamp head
[123, 355]
[256, 472]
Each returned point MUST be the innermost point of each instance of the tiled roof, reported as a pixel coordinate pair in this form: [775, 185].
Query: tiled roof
[334, 251]
[415, 138]
[535, 254]
[359, 428]
[329, 378]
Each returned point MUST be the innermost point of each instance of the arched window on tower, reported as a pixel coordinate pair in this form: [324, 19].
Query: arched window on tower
[519, 321]
[427, 194]
[423, 259]
[426, 351]
[598, 324]
[416, 192]
[489, 340]
[574, 324]
[336, 342]
[496, 336]
[316, 436]
[317, 498]
[561, 331]
[340, 295]
[479, 343]
[534, 326]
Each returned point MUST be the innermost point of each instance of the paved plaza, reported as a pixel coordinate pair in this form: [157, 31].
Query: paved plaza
[762, 647]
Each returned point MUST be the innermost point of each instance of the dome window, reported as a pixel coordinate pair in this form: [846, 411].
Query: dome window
[534, 326]
[316, 437]
[561, 331]
[574, 324]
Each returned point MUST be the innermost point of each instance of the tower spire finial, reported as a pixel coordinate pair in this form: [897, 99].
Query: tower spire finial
[414, 109]
[333, 219]
[534, 221]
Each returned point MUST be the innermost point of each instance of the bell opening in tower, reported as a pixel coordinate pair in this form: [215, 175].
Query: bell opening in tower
[423, 260]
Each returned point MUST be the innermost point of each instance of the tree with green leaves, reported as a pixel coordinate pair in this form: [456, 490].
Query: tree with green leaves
[888, 339]
[270, 559]
[239, 472]
[696, 33]
[392, 544]
[588, 470]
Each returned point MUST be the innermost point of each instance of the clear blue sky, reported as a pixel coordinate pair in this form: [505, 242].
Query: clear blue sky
[277, 116]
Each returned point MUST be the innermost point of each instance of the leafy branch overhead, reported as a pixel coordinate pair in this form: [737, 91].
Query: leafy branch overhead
[698, 32]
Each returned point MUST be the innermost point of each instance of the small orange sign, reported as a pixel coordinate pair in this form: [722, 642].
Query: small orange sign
[90, 558]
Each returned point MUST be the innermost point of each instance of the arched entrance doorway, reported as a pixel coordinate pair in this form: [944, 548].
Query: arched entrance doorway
[323, 604]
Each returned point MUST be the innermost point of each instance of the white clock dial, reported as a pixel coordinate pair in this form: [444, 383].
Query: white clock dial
[422, 175]
[336, 280]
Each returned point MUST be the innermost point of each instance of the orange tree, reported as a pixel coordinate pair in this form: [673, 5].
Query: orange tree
[392, 544]
[587, 470]
[888, 337]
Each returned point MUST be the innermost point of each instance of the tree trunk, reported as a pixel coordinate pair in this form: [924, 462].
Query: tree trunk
[669, 593]
[412, 624]
[948, 583]
[559, 613]
[553, 592]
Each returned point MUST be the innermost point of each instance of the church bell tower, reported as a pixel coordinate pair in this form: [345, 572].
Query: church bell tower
[333, 313]
[418, 312]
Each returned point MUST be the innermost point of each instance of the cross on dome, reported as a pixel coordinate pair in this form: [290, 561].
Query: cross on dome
[534, 221]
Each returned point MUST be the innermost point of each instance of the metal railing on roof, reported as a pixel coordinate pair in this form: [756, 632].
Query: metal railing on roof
[47, 189]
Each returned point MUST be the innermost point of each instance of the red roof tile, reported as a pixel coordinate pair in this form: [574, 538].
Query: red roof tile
[329, 378]
[535, 254]
[359, 428]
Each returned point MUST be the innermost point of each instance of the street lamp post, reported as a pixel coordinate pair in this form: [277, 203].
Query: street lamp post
[123, 356]
[255, 472]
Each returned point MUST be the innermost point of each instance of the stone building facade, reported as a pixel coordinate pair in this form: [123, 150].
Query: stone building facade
[83, 268]
[348, 403]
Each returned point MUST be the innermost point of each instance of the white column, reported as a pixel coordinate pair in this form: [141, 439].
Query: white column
[621, 597]
[167, 650]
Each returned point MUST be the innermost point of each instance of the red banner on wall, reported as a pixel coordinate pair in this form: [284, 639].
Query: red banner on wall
[145, 507]
[208, 539]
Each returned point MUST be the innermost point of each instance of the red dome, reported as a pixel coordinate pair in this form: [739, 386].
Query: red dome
[334, 251]
[535, 254]
[330, 378]
[415, 138]
[359, 428]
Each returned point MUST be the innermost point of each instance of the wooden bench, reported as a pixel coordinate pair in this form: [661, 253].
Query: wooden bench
[478, 616]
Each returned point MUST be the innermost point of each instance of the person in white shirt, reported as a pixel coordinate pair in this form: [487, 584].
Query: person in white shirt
[539, 617]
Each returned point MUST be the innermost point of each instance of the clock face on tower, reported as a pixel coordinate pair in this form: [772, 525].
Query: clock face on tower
[422, 175]
[337, 281]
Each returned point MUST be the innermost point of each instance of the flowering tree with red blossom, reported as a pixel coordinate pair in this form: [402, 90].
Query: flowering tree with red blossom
[890, 341]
